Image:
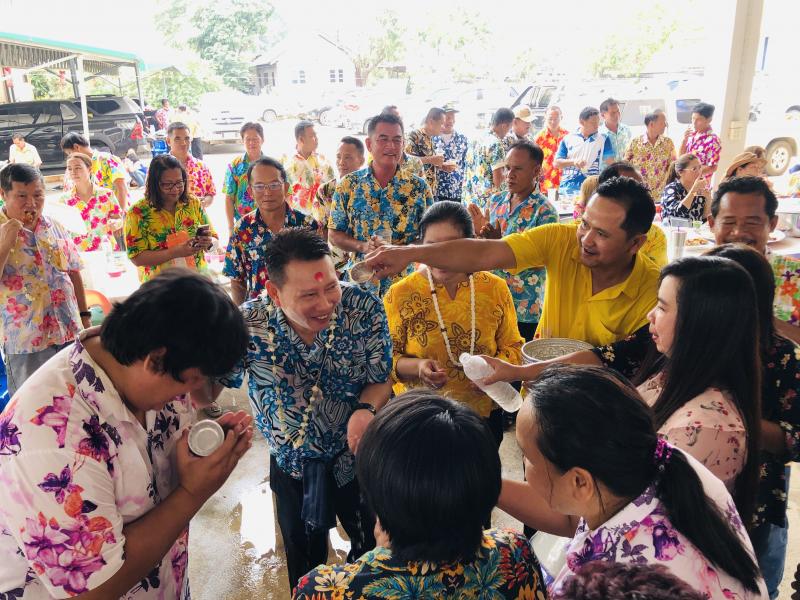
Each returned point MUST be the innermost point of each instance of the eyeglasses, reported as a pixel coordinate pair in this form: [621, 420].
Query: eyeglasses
[272, 187]
[171, 185]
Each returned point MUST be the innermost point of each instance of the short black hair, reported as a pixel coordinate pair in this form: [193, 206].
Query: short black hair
[353, 141]
[635, 198]
[429, 469]
[704, 109]
[608, 103]
[267, 161]
[251, 126]
[652, 117]
[502, 116]
[193, 319]
[19, 172]
[17, 136]
[152, 189]
[535, 153]
[164, 101]
[292, 243]
[434, 114]
[301, 127]
[384, 117]
[175, 125]
[447, 211]
[73, 138]
[588, 113]
[745, 185]
[617, 169]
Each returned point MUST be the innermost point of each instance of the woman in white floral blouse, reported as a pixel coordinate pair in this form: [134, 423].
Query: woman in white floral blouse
[591, 451]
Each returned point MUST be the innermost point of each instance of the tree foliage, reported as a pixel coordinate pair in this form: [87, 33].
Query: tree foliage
[465, 41]
[227, 34]
[383, 45]
[635, 41]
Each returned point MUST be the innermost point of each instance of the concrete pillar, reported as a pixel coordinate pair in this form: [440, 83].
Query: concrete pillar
[730, 70]
[82, 92]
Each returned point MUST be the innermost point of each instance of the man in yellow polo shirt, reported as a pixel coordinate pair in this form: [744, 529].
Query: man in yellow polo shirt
[599, 286]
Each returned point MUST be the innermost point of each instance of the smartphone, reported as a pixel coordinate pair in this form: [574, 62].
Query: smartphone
[203, 231]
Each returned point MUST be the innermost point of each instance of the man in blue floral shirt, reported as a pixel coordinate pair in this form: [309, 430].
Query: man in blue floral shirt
[318, 366]
[521, 208]
[454, 146]
[244, 261]
[381, 198]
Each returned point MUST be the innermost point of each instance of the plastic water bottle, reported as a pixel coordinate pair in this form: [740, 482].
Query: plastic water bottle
[501, 392]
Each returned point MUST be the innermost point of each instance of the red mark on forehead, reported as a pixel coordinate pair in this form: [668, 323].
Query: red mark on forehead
[318, 276]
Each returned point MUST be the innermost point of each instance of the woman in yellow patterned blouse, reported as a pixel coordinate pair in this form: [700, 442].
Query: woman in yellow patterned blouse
[435, 315]
[163, 229]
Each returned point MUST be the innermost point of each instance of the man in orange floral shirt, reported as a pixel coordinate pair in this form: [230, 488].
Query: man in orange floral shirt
[201, 185]
[548, 140]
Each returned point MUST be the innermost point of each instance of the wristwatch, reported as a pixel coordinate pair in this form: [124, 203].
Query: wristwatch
[365, 406]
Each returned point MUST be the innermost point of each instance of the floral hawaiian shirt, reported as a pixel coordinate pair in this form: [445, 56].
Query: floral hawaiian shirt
[527, 287]
[245, 257]
[321, 212]
[305, 176]
[420, 144]
[652, 161]
[780, 389]
[484, 156]
[512, 138]
[504, 569]
[671, 206]
[619, 140]
[282, 370]
[149, 228]
[36, 293]
[454, 147]
[96, 213]
[361, 207]
[642, 533]
[595, 150]
[706, 146]
[414, 327]
[201, 184]
[236, 185]
[550, 177]
[76, 467]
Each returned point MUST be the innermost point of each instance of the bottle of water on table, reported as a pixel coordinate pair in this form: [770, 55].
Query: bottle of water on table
[503, 393]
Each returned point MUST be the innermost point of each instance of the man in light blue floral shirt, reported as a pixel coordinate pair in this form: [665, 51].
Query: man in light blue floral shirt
[614, 129]
[454, 146]
[318, 366]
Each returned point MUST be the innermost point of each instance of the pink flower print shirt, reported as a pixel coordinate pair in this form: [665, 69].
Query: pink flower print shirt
[98, 213]
[75, 468]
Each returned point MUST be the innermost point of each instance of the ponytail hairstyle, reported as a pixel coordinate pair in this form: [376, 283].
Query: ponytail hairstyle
[594, 419]
[678, 166]
[716, 344]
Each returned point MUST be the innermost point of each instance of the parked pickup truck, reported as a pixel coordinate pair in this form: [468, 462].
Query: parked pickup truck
[114, 126]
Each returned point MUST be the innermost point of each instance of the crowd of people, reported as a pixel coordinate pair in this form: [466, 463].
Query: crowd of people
[661, 455]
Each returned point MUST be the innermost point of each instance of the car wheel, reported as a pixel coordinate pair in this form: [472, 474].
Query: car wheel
[778, 156]
[324, 118]
[269, 116]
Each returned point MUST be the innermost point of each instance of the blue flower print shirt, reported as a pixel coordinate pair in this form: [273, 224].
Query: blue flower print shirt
[282, 371]
[361, 207]
[454, 147]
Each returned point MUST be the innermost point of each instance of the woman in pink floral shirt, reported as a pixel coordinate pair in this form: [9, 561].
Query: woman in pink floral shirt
[97, 206]
[97, 484]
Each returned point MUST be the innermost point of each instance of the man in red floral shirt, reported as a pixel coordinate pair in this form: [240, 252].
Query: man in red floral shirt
[701, 141]
[548, 140]
[199, 178]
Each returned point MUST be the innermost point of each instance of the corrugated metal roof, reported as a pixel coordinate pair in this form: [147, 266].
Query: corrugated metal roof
[26, 51]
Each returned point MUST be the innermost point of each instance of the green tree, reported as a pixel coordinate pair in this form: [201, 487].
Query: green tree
[180, 86]
[372, 51]
[227, 34]
[636, 40]
[466, 40]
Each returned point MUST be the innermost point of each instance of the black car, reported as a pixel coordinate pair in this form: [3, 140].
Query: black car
[115, 126]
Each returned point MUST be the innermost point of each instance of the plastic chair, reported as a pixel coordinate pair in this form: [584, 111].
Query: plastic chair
[98, 305]
[159, 147]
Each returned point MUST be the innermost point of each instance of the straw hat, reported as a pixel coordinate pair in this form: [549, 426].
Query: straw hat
[743, 159]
